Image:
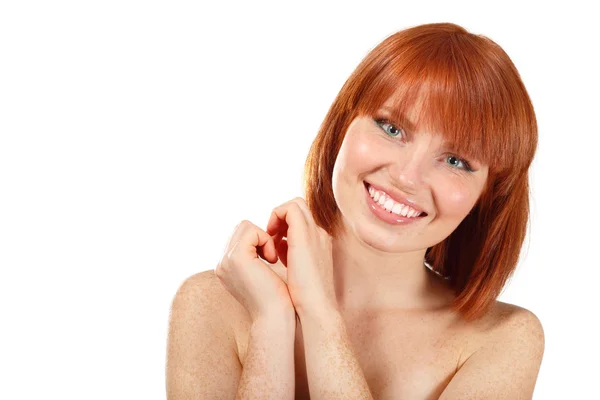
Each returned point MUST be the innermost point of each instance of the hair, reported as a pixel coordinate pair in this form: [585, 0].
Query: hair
[471, 93]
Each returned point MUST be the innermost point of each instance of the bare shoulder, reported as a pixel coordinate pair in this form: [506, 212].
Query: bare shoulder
[504, 323]
[202, 353]
[506, 362]
[203, 286]
[521, 327]
[510, 320]
[204, 293]
[198, 294]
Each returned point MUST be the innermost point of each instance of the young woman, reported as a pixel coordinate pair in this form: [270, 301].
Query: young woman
[382, 282]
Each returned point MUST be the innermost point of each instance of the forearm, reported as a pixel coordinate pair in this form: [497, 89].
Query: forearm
[268, 371]
[332, 368]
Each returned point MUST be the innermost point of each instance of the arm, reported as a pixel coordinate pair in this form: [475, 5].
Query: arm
[332, 368]
[202, 360]
[269, 366]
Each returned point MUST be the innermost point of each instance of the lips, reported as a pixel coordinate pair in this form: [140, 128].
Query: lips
[397, 197]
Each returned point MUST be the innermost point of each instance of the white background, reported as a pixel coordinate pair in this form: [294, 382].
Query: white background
[135, 135]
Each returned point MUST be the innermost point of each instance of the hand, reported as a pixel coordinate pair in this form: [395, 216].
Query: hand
[258, 286]
[305, 249]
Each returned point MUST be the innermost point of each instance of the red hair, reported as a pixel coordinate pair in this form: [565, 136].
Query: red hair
[471, 93]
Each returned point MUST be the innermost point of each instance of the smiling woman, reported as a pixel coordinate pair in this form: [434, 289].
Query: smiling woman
[440, 79]
[383, 282]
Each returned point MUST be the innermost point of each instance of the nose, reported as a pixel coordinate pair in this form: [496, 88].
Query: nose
[409, 170]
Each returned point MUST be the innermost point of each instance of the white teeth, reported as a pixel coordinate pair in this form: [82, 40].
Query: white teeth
[401, 209]
[391, 206]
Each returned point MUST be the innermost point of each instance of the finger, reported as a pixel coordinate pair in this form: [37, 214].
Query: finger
[304, 208]
[277, 237]
[257, 242]
[260, 253]
[309, 217]
[276, 226]
[281, 251]
[266, 246]
[287, 218]
[282, 226]
[237, 232]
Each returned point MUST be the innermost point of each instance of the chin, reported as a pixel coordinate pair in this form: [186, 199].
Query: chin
[389, 242]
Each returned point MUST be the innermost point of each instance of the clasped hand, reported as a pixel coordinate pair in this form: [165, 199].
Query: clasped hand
[300, 273]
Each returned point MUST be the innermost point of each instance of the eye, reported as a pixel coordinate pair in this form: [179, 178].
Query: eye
[389, 128]
[459, 163]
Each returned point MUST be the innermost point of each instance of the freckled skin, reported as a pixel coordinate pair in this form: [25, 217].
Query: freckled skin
[430, 353]
[402, 354]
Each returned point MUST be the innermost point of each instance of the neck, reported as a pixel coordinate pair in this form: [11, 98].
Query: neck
[369, 279]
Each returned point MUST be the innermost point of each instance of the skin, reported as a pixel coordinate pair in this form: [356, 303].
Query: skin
[381, 265]
[371, 320]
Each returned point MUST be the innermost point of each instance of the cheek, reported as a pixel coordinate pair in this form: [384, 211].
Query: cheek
[357, 155]
[365, 155]
[454, 198]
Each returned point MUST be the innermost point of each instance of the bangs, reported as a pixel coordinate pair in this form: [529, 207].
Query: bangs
[464, 87]
[447, 85]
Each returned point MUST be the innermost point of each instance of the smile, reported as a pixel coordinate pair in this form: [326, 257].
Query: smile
[389, 210]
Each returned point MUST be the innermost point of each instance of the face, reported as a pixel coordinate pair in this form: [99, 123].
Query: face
[428, 188]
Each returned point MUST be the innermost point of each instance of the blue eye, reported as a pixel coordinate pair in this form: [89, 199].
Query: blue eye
[388, 128]
[458, 163]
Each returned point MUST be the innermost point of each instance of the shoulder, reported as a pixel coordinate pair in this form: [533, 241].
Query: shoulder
[515, 322]
[507, 359]
[514, 334]
[523, 329]
[204, 293]
[504, 327]
[202, 297]
[202, 354]
[205, 281]
[199, 292]
[505, 322]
